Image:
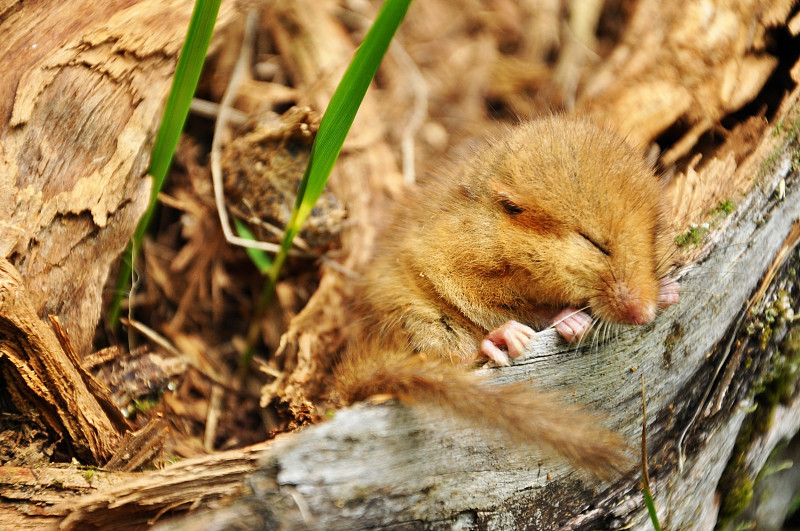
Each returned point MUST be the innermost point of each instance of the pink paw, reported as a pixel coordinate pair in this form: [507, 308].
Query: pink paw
[572, 324]
[516, 337]
[668, 292]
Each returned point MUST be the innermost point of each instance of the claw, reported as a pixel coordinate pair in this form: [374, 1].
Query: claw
[516, 337]
[572, 324]
[668, 292]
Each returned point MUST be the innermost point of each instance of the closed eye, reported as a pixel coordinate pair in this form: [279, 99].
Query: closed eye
[602, 248]
[510, 206]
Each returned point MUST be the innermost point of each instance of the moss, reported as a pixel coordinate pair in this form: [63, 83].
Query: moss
[675, 334]
[790, 131]
[89, 476]
[737, 500]
[778, 129]
[724, 207]
[785, 369]
[770, 160]
[793, 131]
[692, 236]
[778, 385]
[145, 404]
[696, 232]
[790, 134]
[766, 335]
[791, 345]
[736, 478]
[779, 381]
[794, 506]
[780, 312]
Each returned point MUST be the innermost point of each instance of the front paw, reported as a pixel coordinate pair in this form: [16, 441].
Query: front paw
[668, 292]
[516, 337]
[572, 324]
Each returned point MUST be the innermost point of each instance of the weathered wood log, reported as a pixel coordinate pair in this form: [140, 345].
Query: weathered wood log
[79, 108]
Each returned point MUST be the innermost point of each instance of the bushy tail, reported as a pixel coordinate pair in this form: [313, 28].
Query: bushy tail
[521, 413]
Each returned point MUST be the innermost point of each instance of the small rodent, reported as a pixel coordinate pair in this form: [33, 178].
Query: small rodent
[555, 216]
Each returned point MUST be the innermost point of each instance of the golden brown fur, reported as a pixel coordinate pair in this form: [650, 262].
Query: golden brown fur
[556, 213]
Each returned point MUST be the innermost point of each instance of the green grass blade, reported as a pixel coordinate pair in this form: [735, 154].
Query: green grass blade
[336, 124]
[651, 508]
[327, 145]
[184, 83]
[648, 496]
[261, 259]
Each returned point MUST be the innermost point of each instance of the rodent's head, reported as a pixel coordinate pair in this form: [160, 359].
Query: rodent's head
[580, 214]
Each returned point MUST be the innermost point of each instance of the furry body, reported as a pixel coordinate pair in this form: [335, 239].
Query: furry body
[556, 215]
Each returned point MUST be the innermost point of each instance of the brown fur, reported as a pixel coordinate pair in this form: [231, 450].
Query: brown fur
[557, 213]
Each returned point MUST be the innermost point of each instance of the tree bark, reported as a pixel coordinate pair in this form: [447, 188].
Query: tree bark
[82, 94]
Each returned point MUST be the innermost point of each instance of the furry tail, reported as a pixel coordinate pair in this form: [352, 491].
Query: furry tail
[523, 414]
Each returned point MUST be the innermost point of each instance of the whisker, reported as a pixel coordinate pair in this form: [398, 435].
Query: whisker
[606, 282]
[596, 337]
[589, 288]
[554, 323]
[587, 333]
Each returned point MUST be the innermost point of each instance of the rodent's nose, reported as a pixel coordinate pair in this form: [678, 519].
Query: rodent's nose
[632, 309]
[639, 314]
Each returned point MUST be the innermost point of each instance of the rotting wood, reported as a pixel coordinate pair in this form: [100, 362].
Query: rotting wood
[47, 383]
[699, 63]
[187, 484]
[82, 94]
[31, 495]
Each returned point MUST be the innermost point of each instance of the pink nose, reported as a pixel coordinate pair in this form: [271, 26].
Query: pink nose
[632, 309]
[638, 313]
